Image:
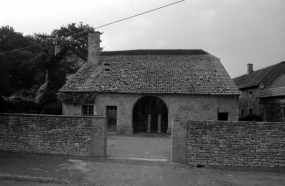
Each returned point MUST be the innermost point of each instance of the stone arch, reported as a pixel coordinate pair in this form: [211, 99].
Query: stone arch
[150, 115]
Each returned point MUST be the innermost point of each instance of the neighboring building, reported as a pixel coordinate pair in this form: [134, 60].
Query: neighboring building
[253, 83]
[146, 90]
[272, 101]
[63, 65]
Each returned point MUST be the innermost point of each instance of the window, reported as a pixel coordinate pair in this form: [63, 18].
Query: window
[250, 111]
[242, 112]
[223, 116]
[250, 93]
[87, 110]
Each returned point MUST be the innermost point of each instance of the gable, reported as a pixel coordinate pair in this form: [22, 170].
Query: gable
[154, 71]
[63, 65]
[279, 82]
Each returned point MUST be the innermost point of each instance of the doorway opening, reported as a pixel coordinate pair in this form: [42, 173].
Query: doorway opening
[111, 113]
[150, 115]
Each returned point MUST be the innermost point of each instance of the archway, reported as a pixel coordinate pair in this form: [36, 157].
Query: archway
[150, 115]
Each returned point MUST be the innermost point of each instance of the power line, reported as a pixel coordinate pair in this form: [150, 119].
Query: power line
[140, 14]
[103, 25]
[28, 47]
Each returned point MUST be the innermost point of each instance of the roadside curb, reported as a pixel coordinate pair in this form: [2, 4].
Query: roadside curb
[18, 177]
[139, 159]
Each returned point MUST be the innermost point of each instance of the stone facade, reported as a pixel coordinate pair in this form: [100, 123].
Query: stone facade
[248, 101]
[216, 143]
[195, 107]
[71, 135]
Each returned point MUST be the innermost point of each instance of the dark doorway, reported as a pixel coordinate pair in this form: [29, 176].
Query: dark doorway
[150, 115]
[111, 114]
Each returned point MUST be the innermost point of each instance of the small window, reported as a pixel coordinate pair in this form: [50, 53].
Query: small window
[87, 110]
[223, 116]
[242, 112]
[250, 93]
[250, 111]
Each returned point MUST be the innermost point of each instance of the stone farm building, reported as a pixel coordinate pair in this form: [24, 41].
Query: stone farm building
[259, 95]
[146, 90]
[272, 101]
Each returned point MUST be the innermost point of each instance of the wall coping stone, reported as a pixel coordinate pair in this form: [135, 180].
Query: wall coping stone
[45, 115]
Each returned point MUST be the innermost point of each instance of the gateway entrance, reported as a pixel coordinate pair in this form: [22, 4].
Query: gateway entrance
[150, 115]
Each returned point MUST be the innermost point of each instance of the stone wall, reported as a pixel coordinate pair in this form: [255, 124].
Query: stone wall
[215, 143]
[71, 135]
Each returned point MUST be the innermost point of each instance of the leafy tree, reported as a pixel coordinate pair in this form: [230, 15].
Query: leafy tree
[6, 87]
[23, 71]
[10, 40]
[67, 36]
[73, 36]
[15, 65]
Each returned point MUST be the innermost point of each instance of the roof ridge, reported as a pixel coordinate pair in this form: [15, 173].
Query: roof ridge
[261, 69]
[156, 52]
[256, 77]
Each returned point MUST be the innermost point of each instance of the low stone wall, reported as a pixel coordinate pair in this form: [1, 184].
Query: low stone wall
[71, 135]
[216, 143]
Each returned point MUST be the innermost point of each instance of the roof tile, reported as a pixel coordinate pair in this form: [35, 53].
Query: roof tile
[154, 71]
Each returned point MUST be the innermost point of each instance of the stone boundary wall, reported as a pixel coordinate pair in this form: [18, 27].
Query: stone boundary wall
[217, 143]
[53, 134]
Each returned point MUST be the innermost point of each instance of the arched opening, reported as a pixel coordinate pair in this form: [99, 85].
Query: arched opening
[150, 115]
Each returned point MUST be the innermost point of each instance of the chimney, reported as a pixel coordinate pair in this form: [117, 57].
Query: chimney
[56, 49]
[249, 68]
[93, 48]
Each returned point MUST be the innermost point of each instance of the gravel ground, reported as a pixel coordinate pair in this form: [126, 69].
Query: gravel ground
[153, 146]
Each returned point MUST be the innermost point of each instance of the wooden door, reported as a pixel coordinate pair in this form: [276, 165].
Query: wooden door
[111, 114]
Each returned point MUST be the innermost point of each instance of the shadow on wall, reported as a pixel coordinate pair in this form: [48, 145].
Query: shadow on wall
[251, 117]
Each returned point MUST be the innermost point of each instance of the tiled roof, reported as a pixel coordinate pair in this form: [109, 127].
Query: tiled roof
[279, 82]
[154, 71]
[254, 78]
[272, 92]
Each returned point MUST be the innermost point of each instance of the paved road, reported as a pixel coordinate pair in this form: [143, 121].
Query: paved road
[107, 172]
[137, 173]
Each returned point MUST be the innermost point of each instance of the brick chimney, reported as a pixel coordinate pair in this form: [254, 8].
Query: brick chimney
[249, 68]
[93, 48]
[56, 49]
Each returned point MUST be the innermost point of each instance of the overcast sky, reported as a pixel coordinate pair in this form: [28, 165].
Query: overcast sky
[236, 31]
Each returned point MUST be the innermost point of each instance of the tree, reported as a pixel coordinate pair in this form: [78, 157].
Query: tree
[67, 36]
[73, 36]
[15, 65]
[21, 71]
[6, 87]
[10, 40]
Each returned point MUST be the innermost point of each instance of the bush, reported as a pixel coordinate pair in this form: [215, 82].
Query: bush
[53, 109]
[22, 105]
[251, 117]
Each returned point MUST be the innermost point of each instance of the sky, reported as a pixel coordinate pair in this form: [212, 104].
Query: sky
[236, 31]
